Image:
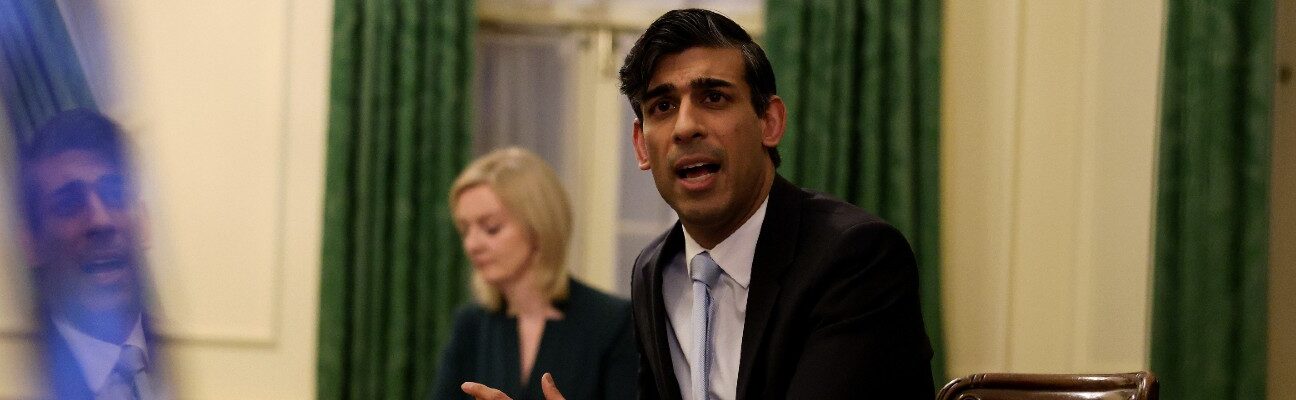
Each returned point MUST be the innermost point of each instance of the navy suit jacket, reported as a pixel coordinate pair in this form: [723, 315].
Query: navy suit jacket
[832, 308]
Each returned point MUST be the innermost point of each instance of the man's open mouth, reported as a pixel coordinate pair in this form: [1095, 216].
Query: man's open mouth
[103, 265]
[697, 170]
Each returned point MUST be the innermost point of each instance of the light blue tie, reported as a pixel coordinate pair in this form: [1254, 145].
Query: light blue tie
[132, 381]
[705, 273]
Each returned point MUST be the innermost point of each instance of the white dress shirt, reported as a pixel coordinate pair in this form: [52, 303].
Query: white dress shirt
[734, 256]
[96, 357]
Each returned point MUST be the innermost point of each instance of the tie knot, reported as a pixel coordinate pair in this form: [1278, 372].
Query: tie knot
[704, 269]
[132, 360]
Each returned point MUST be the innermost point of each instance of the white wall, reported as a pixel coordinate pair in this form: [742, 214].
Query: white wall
[1049, 123]
[226, 102]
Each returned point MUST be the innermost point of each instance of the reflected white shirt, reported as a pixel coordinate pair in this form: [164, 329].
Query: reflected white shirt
[96, 357]
[734, 255]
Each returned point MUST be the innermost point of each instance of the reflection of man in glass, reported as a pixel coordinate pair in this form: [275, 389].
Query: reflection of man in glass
[83, 241]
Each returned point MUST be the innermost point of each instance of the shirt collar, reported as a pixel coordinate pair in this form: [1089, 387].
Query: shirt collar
[96, 357]
[735, 253]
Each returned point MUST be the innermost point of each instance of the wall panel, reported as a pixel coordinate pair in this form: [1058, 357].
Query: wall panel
[1048, 132]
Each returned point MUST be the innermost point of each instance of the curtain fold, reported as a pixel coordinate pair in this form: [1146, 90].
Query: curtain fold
[399, 132]
[861, 80]
[40, 75]
[1210, 313]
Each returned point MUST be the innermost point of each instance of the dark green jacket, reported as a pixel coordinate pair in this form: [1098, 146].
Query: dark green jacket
[590, 352]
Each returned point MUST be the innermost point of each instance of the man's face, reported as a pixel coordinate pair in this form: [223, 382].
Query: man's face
[703, 141]
[85, 237]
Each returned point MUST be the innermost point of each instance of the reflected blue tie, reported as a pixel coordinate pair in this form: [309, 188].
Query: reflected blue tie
[705, 274]
[132, 367]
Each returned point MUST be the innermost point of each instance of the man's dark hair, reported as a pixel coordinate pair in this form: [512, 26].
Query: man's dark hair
[77, 129]
[680, 30]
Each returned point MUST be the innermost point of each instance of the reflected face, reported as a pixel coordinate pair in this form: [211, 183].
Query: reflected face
[499, 247]
[85, 240]
[703, 141]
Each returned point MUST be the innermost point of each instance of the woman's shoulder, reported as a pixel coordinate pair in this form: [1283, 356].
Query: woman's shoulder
[583, 298]
[470, 315]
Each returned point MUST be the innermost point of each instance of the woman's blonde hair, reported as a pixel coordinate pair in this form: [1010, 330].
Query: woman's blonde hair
[530, 191]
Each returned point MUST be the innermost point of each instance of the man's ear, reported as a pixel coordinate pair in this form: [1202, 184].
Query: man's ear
[774, 122]
[641, 147]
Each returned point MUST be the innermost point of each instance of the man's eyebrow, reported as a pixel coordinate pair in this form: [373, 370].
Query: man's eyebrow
[68, 189]
[112, 178]
[710, 83]
[657, 91]
[699, 83]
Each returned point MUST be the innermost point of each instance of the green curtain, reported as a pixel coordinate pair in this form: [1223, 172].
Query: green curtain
[399, 131]
[861, 80]
[39, 72]
[1209, 318]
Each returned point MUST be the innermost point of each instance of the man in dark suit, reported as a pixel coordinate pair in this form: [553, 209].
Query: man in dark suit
[814, 298]
[762, 289]
[83, 241]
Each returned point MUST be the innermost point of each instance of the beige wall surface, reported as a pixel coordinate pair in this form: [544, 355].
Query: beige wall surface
[229, 101]
[1048, 133]
[225, 102]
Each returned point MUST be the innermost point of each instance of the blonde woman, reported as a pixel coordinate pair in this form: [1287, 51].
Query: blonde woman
[530, 317]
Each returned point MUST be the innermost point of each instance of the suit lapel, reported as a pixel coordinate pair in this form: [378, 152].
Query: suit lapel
[662, 258]
[775, 250]
[65, 377]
